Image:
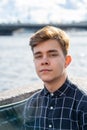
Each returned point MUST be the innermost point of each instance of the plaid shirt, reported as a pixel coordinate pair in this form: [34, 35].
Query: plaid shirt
[65, 109]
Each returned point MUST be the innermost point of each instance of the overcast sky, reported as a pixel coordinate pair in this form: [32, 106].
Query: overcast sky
[43, 11]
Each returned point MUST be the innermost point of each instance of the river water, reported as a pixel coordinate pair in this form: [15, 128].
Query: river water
[16, 64]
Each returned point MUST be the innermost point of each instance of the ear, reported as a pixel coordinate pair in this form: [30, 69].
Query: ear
[68, 60]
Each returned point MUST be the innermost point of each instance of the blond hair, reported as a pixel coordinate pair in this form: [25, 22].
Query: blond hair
[50, 32]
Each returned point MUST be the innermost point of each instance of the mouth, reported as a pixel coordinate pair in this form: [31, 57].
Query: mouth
[45, 70]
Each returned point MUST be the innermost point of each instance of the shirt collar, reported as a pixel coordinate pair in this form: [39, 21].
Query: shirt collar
[61, 91]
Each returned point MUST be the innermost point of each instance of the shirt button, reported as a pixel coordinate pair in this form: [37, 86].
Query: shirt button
[51, 107]
[52, 94]
[50, 126]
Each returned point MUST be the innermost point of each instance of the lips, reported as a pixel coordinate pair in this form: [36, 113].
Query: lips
[45, 70]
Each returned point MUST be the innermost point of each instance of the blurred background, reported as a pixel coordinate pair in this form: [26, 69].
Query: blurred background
[16, 65]
[39, 11]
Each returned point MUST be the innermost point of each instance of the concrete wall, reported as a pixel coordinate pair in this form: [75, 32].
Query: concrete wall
[21, 93]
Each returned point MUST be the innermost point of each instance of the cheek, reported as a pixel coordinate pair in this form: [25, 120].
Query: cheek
[36, 65]
[59, 64]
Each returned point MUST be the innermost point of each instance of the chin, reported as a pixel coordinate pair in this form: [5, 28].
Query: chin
[46, 80]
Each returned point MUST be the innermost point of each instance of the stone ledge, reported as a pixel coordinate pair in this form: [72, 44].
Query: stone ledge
[18, 94]
[21, 93]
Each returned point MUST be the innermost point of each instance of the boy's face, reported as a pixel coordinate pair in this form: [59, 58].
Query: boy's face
[50, 62]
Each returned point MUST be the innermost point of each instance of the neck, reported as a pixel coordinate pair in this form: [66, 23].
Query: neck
[56, 84]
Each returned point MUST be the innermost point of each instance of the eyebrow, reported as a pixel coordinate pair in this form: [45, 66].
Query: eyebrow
[54, 50]
[36, 53]
[49, 51]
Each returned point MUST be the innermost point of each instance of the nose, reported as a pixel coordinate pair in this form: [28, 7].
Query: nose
[45, 61]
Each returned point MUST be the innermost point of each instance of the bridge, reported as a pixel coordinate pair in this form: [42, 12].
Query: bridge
[8, 29]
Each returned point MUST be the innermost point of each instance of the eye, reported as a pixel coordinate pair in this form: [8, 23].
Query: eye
[53, 54]
[38, 56]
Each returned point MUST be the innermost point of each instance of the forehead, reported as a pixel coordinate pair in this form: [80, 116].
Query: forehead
[47, 46]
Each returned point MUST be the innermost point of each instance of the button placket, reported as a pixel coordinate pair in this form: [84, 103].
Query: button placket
[50, 125]
[51, 107]
[52, 94]
[52, 104]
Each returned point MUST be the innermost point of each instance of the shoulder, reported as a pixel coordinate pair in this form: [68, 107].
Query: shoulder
[79, 96]
[31, 105]
[77, 91]
[34, 98]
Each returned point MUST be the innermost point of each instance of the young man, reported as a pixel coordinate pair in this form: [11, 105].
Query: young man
[60, 105]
